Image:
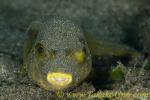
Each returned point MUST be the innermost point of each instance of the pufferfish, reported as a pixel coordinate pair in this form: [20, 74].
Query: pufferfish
[57, 55]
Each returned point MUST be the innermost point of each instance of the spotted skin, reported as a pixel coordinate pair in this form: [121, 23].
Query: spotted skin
[54, 45]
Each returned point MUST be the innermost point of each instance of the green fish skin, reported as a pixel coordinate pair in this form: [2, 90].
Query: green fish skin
[56, 45]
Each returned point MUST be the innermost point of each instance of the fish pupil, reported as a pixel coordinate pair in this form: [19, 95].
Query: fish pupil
[40, 50]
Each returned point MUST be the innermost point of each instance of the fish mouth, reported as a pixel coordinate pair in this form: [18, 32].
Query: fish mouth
[59, 80]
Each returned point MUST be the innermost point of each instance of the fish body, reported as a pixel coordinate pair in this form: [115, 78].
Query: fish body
[58, 56]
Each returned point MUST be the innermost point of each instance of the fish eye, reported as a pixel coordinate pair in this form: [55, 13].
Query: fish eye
[40, 50]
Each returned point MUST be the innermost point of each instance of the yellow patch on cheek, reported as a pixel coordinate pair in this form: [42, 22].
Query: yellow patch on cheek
[80, 56]
[58, 79]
